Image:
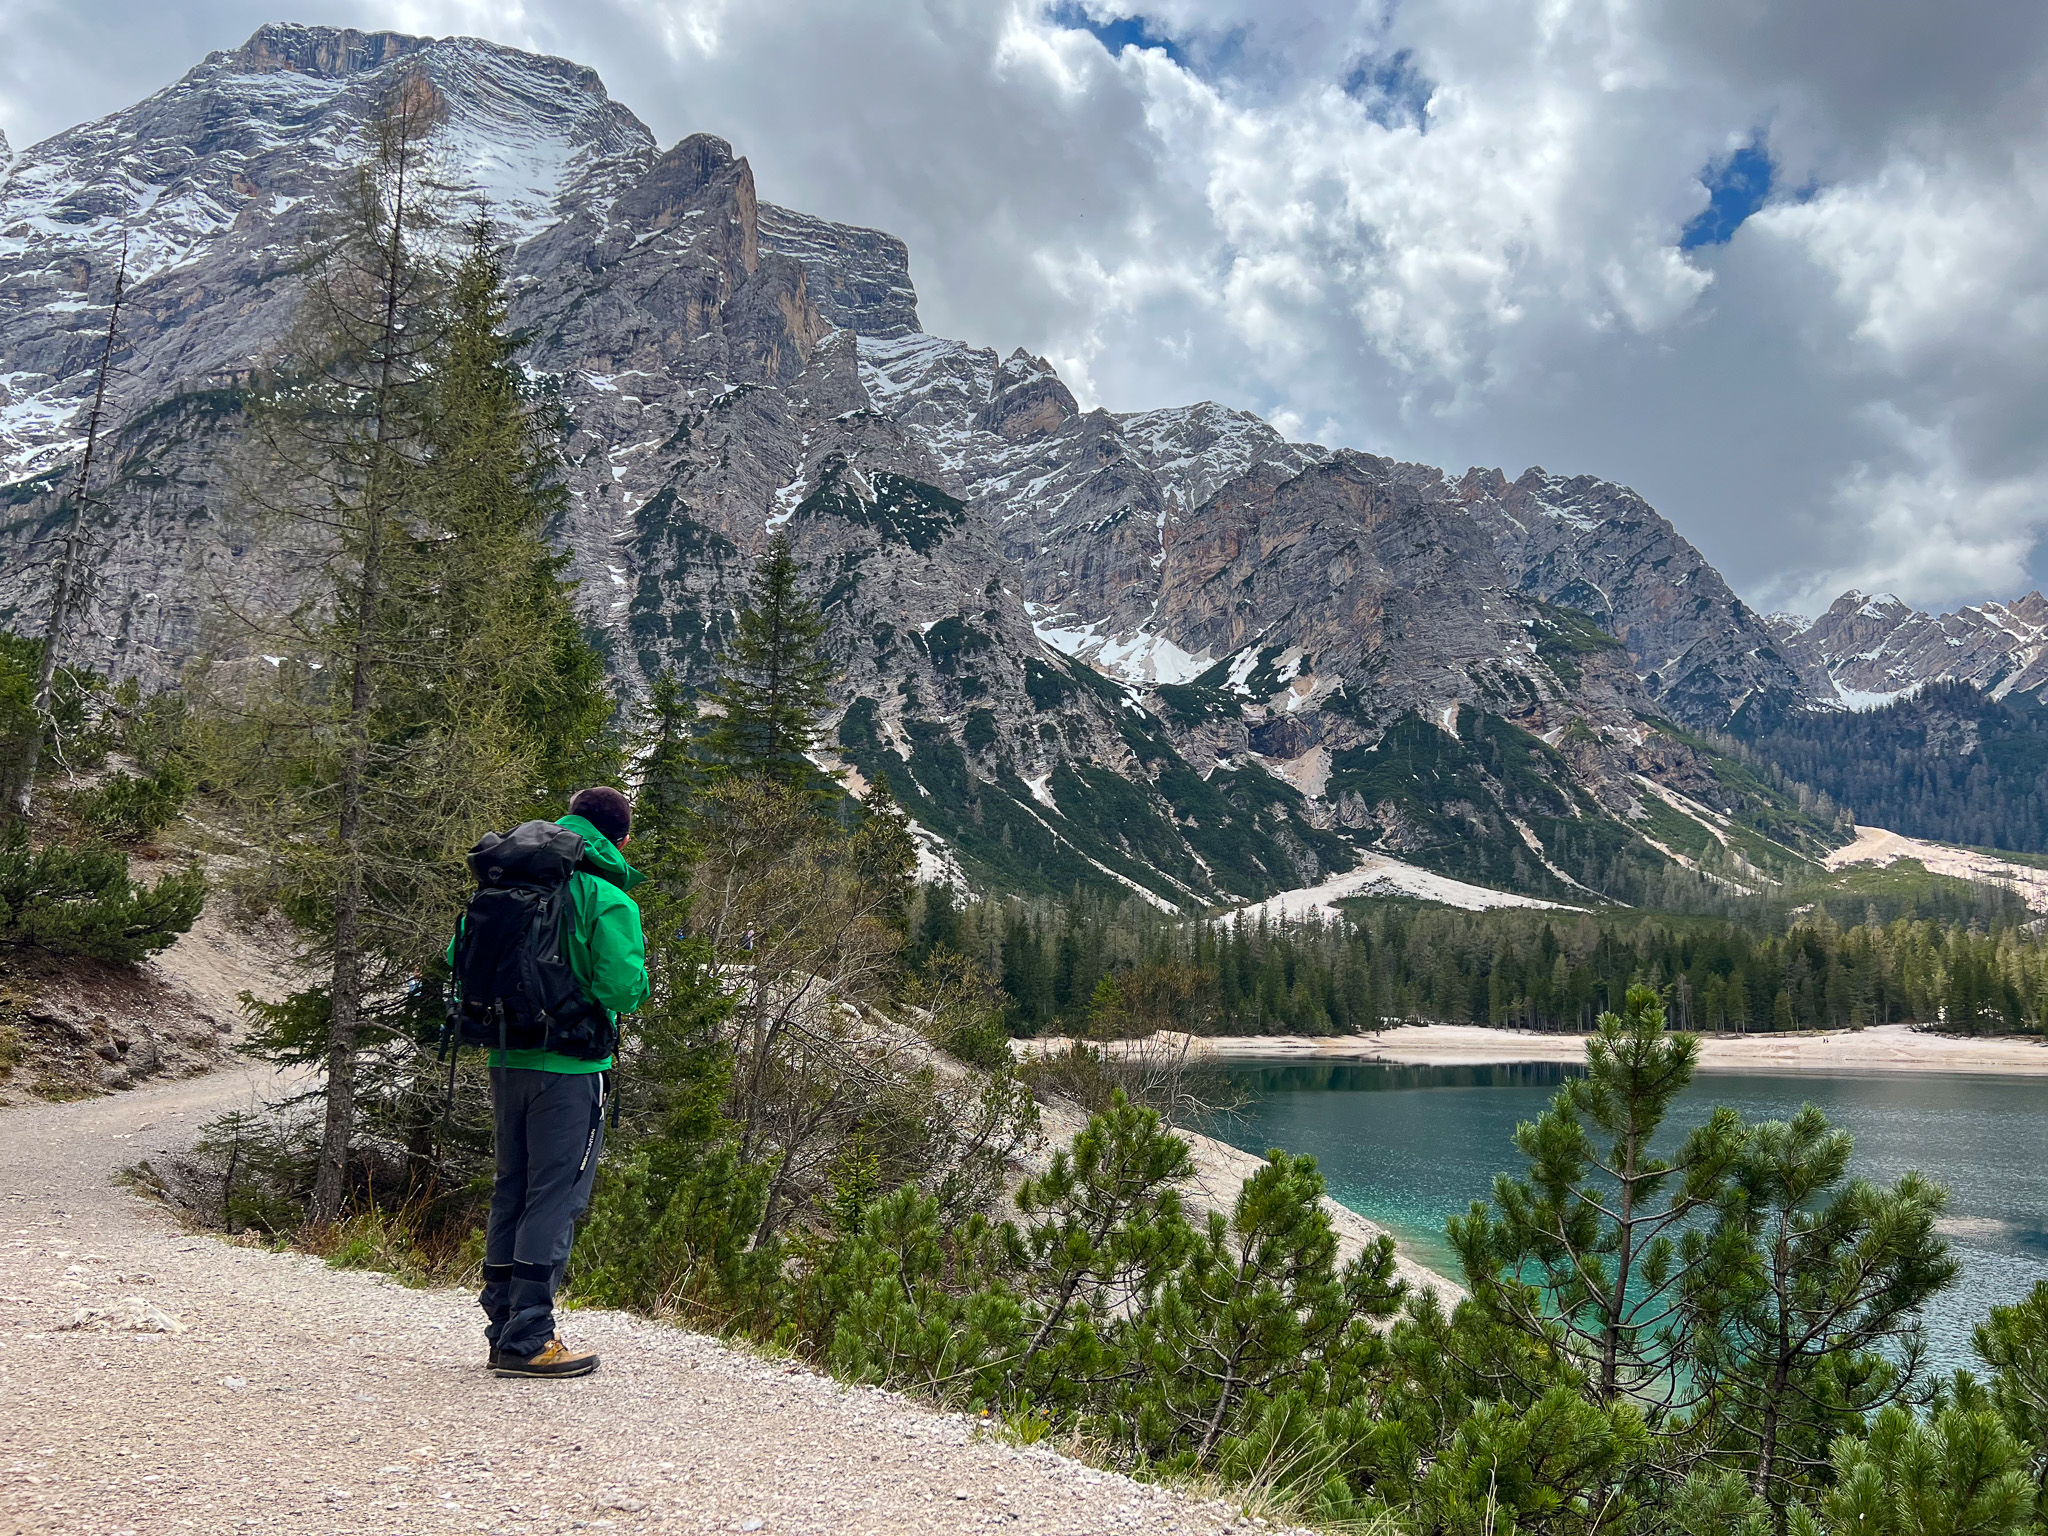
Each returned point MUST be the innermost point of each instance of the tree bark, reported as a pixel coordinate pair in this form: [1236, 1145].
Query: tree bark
[1617, 1302]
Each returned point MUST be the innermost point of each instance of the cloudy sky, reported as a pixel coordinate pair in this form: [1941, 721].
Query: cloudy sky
[1782, 267]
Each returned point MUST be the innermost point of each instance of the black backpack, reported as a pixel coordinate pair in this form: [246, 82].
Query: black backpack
[514, 989]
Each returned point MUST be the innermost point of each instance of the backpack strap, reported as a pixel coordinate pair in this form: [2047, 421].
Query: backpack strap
[529, 972]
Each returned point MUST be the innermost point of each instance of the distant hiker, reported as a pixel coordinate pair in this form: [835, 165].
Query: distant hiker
[547, 893]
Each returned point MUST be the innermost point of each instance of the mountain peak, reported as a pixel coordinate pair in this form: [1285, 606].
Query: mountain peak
[1869, 605]
[994, 548]
[329, 52]
[1877, 646]
[1029, 401]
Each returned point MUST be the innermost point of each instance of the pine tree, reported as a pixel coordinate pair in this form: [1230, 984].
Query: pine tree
[1585, 1253]
[1261, 1310]
[2013, 1341]
[1101, 1228]
[775, 680]
[1958, 1473]
[669, 771]
[80, 901]
[1818, 1325]
[885, 853]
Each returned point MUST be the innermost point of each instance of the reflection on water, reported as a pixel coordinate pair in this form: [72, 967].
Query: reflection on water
[1410, 1146]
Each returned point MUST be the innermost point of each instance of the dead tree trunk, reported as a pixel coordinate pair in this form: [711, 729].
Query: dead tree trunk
[71, 564]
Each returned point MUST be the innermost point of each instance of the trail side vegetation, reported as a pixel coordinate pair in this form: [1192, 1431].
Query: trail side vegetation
[68, 822]
[66, 887]
[434, 683]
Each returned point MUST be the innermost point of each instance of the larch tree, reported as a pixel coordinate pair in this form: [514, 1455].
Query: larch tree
[327, 768]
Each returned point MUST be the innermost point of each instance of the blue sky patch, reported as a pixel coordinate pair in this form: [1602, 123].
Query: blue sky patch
[1736, 188]
[1394, 92]
[1124, 32]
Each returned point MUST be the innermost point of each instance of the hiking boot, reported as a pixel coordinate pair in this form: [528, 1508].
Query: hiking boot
[552, 1359]
[494, 1357]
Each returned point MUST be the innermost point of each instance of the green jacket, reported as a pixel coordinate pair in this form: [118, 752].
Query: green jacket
[607, 950]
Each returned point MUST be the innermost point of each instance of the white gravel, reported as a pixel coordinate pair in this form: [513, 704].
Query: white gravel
[152, 1381]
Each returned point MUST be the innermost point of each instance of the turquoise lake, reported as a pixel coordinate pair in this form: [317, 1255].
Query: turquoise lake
[1410, 1146]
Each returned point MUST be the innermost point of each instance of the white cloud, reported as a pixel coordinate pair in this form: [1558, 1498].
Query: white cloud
[1932, 252]
[1931, 521]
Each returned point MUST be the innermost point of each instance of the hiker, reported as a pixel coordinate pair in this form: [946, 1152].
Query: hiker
[546, 891]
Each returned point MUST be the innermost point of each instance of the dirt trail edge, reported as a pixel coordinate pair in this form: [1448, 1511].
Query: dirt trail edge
[298, 1398]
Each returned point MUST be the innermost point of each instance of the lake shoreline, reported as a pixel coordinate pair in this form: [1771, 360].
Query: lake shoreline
[1879, 1048]
[1409, 1146]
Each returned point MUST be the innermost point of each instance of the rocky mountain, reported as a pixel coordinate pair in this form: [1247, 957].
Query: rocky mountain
[1165, 651]
[1586, 544]
[1867, 651]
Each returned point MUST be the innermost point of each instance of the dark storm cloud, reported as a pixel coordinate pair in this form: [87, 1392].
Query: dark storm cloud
[1444, 229]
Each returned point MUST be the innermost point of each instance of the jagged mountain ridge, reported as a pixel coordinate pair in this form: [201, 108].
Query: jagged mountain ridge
[1599, 548]
[1163, 650]
[1866, 651]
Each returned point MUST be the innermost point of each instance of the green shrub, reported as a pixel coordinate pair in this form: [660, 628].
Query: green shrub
[1959, 1473]
[671, 1230]
[129, 809]
[80, 901]
[980, 1042]
[913, 1307]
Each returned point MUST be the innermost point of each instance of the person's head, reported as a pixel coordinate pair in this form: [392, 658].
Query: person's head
[605, 809]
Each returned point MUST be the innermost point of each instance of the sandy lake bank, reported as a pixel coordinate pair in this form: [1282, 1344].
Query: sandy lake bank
[1880, 1048]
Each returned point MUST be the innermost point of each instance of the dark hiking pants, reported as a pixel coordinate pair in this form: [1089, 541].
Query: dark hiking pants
[550, 1129]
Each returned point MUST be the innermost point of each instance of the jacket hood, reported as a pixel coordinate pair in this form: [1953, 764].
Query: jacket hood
[602, 854]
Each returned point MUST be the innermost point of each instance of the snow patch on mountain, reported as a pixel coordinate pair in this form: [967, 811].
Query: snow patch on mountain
[1136, 658]
[1875, 845]
[1195, 450]
[533, 140]
[1862, 700]
[1377, 875]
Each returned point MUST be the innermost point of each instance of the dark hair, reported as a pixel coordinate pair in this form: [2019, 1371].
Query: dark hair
[605, 809]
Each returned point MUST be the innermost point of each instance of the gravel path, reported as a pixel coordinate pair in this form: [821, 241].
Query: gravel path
[298, 1398]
